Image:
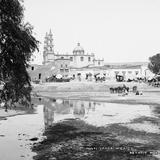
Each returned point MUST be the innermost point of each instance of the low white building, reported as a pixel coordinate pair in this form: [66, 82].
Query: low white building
[129, 70]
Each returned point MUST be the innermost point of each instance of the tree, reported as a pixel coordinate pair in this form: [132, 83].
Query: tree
[16, 47]
[154, 64]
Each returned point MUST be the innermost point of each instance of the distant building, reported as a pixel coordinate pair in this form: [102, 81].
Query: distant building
[48, 53]
[63, 67]
[83, 66]
[129, 70]
[78, 58]
[41, 72]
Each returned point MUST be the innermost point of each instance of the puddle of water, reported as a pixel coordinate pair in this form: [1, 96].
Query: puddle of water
[15, 144]
[16, 131]
[98, 114]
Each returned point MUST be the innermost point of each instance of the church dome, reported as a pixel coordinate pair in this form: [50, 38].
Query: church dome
[78, 49]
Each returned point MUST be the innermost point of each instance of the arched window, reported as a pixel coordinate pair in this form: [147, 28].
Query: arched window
[62, 57]
[39, 76]
[61, 70]
[89, 59]
[71, 58]
[82, 58]
[99, 63]
[136, 72]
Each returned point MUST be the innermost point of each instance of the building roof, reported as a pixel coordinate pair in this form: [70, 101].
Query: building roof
[108, 67]
[89, 67]
[123, 66]
[91, 55]
[78, 49]
[98, 60]
[58, 59]
[127, 63]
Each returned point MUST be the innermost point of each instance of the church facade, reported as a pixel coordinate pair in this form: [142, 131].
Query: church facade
[78, 58]
[80, 64]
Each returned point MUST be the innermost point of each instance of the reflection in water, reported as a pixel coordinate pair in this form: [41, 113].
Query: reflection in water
[95, 113]
[79, 110]
[98, 114]
[55, 111]
[17, 131]
[20, 129]
[48, 117]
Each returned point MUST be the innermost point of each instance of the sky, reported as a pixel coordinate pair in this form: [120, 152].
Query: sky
[116, 30]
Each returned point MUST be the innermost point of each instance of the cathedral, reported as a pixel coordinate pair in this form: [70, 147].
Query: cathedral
[77, 59]
[80, 64]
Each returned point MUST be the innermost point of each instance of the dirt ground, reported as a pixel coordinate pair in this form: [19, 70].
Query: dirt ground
[73, 139]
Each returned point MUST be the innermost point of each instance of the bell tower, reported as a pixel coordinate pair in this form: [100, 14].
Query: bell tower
[48, 50]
